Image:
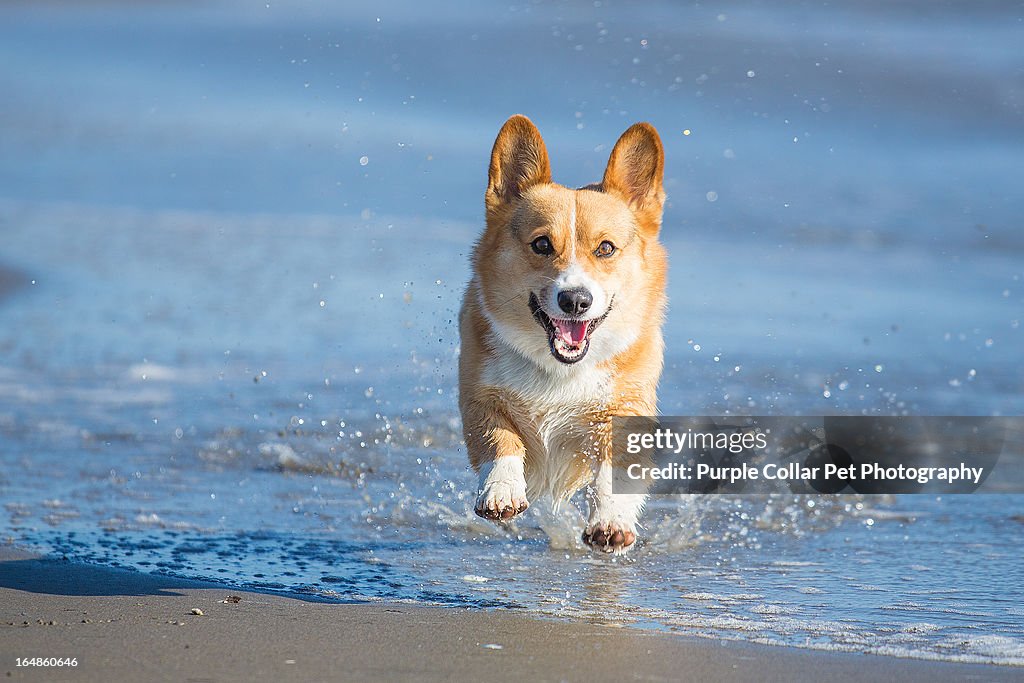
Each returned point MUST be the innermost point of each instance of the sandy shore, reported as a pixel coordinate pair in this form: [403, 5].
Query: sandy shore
[128, 626]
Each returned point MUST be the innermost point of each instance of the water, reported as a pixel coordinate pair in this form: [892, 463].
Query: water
[226, 338]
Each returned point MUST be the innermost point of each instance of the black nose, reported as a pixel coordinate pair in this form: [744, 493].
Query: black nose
[576, 301]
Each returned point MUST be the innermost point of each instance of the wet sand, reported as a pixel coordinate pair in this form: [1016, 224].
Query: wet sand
[123, 625]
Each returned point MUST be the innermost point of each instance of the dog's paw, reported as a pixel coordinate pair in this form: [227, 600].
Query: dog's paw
[502, 499]
[610, 537]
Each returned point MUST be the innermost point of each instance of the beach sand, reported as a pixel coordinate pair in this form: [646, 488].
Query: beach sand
[123, 625]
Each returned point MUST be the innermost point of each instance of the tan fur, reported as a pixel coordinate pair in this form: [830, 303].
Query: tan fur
[516, 399]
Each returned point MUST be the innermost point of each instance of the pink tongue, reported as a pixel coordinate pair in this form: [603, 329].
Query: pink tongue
[571, 331]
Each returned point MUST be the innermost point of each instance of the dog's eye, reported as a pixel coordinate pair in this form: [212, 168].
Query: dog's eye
[542, 246]
[605, 249]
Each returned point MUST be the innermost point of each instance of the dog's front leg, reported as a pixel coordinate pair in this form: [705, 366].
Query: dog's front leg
[611, 525]
[497, 453]
[502, 491]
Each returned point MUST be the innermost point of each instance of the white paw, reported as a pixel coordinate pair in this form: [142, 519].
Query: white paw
[616, 536]
[502, 489]
[611, 527]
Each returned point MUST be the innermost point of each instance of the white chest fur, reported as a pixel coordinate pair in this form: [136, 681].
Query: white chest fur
[579, 387]
[561, 403]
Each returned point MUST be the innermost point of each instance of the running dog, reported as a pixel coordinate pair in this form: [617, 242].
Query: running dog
[561, 328]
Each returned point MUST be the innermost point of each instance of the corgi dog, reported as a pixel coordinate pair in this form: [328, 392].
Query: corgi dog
[561, 328]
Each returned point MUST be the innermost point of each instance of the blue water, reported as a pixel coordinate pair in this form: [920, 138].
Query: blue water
[233, 239]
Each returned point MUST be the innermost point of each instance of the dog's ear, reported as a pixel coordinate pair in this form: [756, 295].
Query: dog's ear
[635, 172]
[519, 160]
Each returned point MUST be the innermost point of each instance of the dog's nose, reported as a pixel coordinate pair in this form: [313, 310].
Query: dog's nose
[576, 301]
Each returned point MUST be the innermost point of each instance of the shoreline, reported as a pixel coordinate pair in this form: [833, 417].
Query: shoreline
[121, 623]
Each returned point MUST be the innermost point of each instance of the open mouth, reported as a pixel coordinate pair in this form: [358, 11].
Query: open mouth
[568, 338]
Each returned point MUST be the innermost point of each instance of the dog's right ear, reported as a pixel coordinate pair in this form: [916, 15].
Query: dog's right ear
[519, 160]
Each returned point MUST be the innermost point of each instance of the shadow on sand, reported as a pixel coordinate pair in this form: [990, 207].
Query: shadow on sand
[56, 576]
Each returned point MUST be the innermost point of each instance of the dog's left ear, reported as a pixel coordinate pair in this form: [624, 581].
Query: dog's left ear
[636, 170]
